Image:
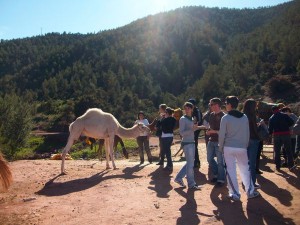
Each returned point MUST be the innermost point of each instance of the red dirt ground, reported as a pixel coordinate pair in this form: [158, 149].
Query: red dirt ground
[141, 194]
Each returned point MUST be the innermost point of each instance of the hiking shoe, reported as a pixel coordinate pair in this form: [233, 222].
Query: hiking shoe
[180, 182]
[254, 195]
[234, 197]
[195, 187]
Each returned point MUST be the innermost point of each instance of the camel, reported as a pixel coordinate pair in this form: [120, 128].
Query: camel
[5, 173]
[100, 125]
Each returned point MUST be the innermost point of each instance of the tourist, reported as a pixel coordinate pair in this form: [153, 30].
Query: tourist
[197, 116]
[233, 141]
[167, 126]
[143, 139]
[288, 111]
[162, 112]
[279, 126]
[249, 110]
[186, 130]
[217, 168]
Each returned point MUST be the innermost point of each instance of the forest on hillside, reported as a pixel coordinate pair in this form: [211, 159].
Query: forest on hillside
[166, 58]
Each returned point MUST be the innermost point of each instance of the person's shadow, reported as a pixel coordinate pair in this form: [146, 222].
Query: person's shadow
[270, 188]
[291, 179]
[265, 162]
[160, 182]
[261, 212]
[189, 209]
[229, 212]
[56, 188]
[200, 178]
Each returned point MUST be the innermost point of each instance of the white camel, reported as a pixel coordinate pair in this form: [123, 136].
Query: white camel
[100, 125]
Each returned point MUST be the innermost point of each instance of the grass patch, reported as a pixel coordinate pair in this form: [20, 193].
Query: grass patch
[24, 153]
[86, 153]
[38, 145]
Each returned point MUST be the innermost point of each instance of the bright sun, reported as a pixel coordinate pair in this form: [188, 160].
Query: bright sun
[159, 5]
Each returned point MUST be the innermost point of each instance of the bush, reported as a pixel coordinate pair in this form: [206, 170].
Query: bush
[15, 123]
[281, 87]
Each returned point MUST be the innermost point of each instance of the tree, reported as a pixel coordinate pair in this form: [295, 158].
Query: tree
[15, 123]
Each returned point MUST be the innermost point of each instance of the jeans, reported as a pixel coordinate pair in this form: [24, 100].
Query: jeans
[217, 168]
[260, 148]
[279, 141]
[188, 168]
[143, 143]
[252, 156]
[197, 160]
[166, 150]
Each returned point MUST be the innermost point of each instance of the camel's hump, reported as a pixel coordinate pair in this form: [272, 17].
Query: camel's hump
[95, 113]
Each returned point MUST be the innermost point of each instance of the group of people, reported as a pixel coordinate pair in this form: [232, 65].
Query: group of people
[232, 138]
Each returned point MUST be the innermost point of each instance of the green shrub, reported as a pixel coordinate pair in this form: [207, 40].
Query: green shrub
[85, 153]
[24, 153]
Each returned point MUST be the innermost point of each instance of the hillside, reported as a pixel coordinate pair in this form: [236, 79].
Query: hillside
[168, 57]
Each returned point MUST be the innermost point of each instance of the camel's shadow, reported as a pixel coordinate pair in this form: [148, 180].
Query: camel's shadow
[53, 188]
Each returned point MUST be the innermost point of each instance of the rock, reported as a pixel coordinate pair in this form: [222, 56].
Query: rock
[29, 199]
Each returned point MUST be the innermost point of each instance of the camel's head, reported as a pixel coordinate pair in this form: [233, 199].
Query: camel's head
[143, 128]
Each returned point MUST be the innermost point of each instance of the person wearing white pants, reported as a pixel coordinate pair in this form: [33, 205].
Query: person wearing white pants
[233, 156]
[234, 136]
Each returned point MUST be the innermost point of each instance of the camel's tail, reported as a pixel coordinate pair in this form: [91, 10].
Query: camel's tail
[5, 173]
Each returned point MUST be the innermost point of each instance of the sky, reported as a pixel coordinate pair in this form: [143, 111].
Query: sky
[27, 18]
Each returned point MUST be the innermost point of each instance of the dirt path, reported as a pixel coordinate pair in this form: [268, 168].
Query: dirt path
[141, 194]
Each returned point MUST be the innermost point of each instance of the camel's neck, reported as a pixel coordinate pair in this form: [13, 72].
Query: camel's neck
[132, 132]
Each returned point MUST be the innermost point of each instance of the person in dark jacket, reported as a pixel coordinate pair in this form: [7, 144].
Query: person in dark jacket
[197, 115]
[279, 126]
[167, 126]
[162, 112]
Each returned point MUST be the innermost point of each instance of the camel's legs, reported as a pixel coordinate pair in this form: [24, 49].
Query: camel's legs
[101, 144]
[106, 143]
[111, 150]
[64, 153]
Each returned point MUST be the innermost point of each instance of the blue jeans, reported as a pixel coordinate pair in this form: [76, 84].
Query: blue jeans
[166, 143]
[217, 168]
[188, 168]
[252, 157]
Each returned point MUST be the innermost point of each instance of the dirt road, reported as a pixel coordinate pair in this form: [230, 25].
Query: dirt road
[141, 194]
